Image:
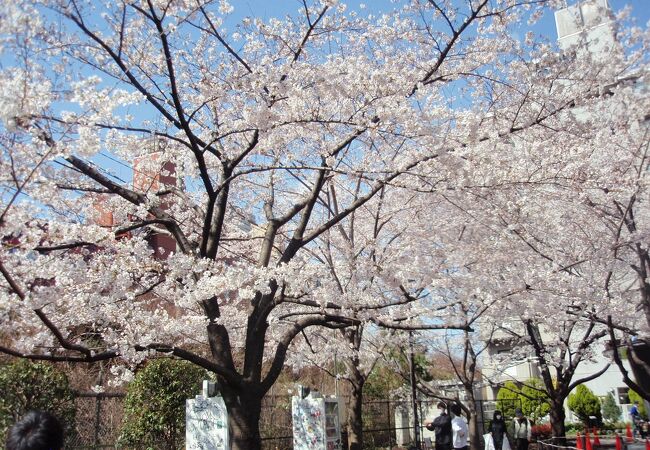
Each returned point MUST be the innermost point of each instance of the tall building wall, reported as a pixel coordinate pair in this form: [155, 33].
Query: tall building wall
[587, 26]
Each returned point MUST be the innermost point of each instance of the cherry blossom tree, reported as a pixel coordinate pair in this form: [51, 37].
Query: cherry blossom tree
[249, 143]
[369, 259]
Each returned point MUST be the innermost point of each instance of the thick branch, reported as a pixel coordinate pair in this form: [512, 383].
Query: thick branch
[285, 342]
[617, 359]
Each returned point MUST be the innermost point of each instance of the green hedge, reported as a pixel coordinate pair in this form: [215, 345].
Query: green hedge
[26, 386]
[154, 408]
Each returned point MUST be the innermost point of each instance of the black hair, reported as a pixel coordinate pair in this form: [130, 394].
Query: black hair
[455, 409]
[442, 405]
[36, 430]
[497, 413]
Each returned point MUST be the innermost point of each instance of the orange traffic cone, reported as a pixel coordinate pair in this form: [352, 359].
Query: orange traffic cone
[628, 433]
[596, 438]
[619, 442]
[647, 444]
[588, 442]
[579, 445]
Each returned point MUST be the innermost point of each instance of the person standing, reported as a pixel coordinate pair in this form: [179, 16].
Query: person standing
[441, 426]
[635, 415]
[498, 430]
[458, 428]
[522, 430]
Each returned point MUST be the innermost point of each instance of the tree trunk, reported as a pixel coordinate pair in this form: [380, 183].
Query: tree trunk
[639, 359]
[355, 420]
[557, 416]
[244, 412]
[473, 428]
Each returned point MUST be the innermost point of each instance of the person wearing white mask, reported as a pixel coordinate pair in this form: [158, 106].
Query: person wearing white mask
[441, 426]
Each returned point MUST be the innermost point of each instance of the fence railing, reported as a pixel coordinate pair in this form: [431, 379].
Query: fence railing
[554, 443]
[99, 421]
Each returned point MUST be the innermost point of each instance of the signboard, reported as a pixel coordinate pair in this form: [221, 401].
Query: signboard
[206, 424]
[316, 424]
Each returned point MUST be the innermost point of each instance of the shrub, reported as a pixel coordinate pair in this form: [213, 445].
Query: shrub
[573, 427]
[508, 399]
[26, 386]
[535, 401]
[584, 404]
[154, 408]
[531, 398]
[611, 427]
[541, 432]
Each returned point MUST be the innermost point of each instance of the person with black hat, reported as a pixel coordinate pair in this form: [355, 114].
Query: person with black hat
[522, 430]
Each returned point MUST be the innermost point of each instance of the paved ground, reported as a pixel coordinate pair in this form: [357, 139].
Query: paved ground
[636, 446]
[611, 443]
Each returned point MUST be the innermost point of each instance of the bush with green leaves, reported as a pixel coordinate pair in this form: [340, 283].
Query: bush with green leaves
[154, 408]
[584, 404]
[26, 386]
[508, 399]
[611, 411]
[530, 397]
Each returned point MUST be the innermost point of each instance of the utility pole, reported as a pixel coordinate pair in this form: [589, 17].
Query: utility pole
[416, 421]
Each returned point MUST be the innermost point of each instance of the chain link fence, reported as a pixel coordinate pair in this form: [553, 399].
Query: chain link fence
[98, 420]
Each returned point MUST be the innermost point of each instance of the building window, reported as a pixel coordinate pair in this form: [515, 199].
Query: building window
[623, 397]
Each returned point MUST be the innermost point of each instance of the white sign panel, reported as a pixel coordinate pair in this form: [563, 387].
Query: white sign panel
[206, 424]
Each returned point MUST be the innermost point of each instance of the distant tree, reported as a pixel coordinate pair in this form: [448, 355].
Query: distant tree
[154, 412]
[508, 399]
[534, 399]
[611, 411]
[529, 396]
[382, 381]
[584, 403]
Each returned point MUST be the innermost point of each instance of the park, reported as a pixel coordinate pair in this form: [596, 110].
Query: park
[305, 224]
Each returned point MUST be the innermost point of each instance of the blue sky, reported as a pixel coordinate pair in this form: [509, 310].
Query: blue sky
[267, 9]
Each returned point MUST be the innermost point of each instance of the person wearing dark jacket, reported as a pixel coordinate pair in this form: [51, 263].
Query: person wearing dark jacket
[498, 430]
[441, 426]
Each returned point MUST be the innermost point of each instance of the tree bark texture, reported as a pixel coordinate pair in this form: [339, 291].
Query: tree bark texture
[557, 417]
[473, 425]
[639, 359]
[244, 420]
[355, 421]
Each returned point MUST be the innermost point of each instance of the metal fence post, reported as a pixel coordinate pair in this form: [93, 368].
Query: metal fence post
[98, 410]
[390, 427]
